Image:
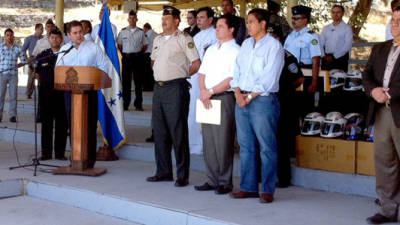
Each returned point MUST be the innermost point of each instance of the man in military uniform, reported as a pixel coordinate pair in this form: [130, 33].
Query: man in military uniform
[132, 43]
[51, 101]
[291, 78]
[174, 59]
[304, 45]
[274, 8]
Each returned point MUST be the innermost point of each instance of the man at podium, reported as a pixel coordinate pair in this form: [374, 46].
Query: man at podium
[80, 52]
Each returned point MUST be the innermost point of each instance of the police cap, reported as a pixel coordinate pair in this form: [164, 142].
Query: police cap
[301, 10]
[169, 10]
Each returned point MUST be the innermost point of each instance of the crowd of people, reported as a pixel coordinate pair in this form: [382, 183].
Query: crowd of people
[253, 67]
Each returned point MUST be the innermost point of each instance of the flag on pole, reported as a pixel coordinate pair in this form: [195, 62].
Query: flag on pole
[111, 114]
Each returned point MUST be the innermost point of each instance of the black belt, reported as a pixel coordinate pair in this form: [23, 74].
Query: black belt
[163, 83]
[133, 53]
[224, 93]
[245, 92]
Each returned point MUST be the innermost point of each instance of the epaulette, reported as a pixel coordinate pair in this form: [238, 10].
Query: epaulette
[311, 32]
[124, 28]
[139, 28]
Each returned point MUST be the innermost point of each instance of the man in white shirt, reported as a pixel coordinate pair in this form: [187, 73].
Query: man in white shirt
[44, 43]
[132, 43]
[84, 53]
[87, 30]
[96, 28]
[336, 41]
[202, 40]
[215, 73]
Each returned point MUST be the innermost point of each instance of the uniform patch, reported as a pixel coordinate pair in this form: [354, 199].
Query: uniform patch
[314, 41]
[45, 64]
[191, 45]
[293, 68]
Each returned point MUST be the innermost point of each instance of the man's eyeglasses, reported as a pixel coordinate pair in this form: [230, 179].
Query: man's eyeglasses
[297, 18]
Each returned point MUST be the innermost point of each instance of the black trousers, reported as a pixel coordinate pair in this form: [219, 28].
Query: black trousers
[148, 82]
[132, 65]
[170, 115]
[53, 113]
[341, 63]
[288, 128]
[92, 123]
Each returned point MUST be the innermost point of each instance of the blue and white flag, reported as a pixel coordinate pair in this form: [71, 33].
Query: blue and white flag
[111, 114]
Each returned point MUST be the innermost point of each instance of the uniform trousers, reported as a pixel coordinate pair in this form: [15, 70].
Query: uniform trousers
[53, 112]
[169, 116]
[132, 64]
[341, 63]
[12, 82]
[387, 162]
[218, 143]
[148, 81]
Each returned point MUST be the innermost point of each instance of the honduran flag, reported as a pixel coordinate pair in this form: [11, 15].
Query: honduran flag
[111, 114]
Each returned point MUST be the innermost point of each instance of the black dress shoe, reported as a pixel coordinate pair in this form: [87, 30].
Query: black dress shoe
[204, 187]
[139, 109]
[157, 178]
[222, 189]
[62, 158]
[181, 183]
[380, 219]
[13, 119]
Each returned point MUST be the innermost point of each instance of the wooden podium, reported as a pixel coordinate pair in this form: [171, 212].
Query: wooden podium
[79, 80]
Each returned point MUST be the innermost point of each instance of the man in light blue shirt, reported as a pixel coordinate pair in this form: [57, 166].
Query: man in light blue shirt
[84, 53]
[256, 81]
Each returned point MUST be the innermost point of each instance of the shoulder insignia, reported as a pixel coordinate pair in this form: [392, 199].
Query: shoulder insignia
[139, 28]
[186, 34]
[310, 32]
[293, 68]
[190, 45]
[124, 28]
[314, 42]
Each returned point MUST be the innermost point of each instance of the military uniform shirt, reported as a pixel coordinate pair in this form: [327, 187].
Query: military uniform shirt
[172, 56]
[290, 73]
[304, 45]
[204, 39]
[45, 67]
[132, 40]
[150, 35]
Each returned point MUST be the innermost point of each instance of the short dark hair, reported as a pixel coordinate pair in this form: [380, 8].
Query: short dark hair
[338, 6]
[232, 22]
[132, 13]
[8, 30]
[38, 25]
[72, 24]
[230, 1]
[260, 14]
[273, 6]
[56, 32]
[147, 25]
[394, 4]
[210, 12]
[193, 12]
[88, 23]
[49, 21]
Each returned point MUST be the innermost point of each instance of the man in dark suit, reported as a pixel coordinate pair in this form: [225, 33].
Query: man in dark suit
[381, 80]
[192, 29]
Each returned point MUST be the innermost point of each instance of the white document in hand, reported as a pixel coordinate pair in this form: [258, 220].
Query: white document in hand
[210, 116]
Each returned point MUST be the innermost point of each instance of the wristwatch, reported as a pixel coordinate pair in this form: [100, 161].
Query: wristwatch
[211, 91]
[249, 96]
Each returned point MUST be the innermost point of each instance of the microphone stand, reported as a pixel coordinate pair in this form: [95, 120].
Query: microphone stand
[35, 161]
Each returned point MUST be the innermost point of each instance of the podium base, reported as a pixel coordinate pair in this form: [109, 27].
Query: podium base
[66, 170]
[105, 153]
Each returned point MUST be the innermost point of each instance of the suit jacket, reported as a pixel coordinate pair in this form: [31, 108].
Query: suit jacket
[192, 33]
[373, 77]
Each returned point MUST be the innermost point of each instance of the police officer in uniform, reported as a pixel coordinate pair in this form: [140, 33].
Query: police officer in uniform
[132, 43]
[51, 101]
[174, 58]
[303, 43]
[291, 78]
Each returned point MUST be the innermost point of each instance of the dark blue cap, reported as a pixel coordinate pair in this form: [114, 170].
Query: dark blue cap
[301, 10]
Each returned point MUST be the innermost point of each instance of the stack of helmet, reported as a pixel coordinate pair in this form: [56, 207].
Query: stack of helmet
[354, 129]
[369, 133]
[312, 124]
[353, 81]
[333, 125]
[337, 78]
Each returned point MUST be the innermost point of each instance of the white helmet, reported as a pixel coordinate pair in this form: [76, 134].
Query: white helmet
[354, 129]
[333, 125]
[337, 78]
[353, 81]
[312, 124]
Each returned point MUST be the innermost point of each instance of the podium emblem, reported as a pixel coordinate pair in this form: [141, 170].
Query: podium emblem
[72, 76]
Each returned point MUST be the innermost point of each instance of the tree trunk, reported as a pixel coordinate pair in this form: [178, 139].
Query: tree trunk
[359, 16]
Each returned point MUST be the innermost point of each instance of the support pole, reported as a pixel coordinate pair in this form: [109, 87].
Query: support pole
[243, 8]
[290, 4]
[60, 14]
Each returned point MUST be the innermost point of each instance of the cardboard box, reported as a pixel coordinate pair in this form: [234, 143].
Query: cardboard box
[326, 154]
[365, 162]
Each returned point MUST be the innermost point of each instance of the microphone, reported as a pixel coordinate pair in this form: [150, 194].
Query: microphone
[66, 52]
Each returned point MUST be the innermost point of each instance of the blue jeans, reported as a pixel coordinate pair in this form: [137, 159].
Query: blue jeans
[256, 130]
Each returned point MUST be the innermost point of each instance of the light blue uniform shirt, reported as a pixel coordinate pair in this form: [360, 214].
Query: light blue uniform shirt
[259, 66]
[204, 39]
[304, 45]
[88, 54]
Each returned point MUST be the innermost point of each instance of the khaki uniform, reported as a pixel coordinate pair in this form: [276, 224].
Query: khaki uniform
[172, 56]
